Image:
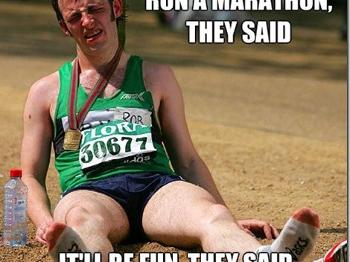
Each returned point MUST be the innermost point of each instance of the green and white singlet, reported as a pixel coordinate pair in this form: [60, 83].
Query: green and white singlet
[120, 134]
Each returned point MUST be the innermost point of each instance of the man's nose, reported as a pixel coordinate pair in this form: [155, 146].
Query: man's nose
[87, 20]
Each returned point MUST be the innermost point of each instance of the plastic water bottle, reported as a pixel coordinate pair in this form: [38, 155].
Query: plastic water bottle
[15, 211]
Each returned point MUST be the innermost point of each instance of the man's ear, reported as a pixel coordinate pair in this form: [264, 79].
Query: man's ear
[117, 8]
[64, 28]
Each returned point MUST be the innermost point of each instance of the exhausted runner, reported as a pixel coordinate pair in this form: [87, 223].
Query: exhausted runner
[116, 122]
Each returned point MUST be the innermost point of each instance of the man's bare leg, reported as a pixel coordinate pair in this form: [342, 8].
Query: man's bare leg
[182, 214]
[96, 218]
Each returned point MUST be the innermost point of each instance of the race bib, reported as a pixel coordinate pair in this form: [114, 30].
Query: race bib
[112, 141]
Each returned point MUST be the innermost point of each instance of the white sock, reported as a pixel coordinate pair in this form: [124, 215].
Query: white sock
[297, 237]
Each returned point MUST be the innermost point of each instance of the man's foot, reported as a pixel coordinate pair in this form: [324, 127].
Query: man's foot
[62, 238]
[298, 235]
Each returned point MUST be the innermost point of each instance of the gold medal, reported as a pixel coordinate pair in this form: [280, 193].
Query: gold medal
[72, 139]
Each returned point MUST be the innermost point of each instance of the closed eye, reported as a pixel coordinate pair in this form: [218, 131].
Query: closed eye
[91, 9]
[95, 9]
[74, 18]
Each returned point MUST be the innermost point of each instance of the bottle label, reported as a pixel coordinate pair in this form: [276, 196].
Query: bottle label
[20, 211]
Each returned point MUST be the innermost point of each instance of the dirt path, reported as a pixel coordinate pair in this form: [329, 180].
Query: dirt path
[270, 121]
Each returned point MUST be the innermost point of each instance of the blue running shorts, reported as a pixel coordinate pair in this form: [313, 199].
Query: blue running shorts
[132, 192]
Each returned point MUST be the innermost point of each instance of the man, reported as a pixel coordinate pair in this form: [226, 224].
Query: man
[107, 114]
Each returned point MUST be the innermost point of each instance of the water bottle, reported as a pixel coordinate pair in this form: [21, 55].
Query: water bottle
[15, 211]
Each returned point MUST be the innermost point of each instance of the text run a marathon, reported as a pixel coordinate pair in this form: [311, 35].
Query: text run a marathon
[269, 5]
[240, 5]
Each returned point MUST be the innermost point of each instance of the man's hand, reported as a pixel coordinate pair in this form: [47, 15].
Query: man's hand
[258, 228]
[41, 232]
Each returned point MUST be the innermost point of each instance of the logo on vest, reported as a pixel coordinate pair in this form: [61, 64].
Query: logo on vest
[133, 96]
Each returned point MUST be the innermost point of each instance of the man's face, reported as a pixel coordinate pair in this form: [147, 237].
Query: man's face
[89, 22]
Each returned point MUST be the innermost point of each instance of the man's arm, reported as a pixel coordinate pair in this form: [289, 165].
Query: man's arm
[178, 142]
[36, 148]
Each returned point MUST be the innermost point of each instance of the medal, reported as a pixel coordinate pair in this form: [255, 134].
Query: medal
[72, 136]
[72, 139]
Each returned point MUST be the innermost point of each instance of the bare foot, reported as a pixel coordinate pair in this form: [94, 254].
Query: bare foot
[62, 238]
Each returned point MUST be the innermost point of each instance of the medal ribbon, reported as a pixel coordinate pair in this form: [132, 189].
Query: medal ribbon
[76, 120]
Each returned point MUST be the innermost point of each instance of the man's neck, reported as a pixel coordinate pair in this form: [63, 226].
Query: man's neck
[96, 61]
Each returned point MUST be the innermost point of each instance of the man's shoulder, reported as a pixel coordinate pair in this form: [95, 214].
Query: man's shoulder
[45, 89]
[156, 74]
[47, 82]
[152, 69]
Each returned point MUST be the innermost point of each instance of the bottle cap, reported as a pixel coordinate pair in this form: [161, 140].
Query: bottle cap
[16, 172]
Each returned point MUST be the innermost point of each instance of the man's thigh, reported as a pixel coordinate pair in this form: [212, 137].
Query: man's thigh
[175, 215]
[113, 221]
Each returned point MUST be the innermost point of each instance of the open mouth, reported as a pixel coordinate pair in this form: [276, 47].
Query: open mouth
[93, 35]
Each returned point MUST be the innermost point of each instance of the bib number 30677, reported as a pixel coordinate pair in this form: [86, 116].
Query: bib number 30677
[114, 147]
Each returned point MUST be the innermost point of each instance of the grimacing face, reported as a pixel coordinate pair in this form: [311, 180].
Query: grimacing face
[89, 22]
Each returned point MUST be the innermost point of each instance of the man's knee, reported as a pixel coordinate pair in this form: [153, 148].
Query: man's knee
[78, 216]
[217, 213]
[216, 218]
[217, 223]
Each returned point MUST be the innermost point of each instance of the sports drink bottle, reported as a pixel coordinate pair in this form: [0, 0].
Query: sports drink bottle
[15, 211]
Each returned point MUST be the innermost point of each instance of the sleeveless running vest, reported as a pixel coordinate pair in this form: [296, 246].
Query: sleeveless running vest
[120, 134]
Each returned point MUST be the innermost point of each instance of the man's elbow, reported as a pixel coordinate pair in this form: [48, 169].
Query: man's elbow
[185, 168]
